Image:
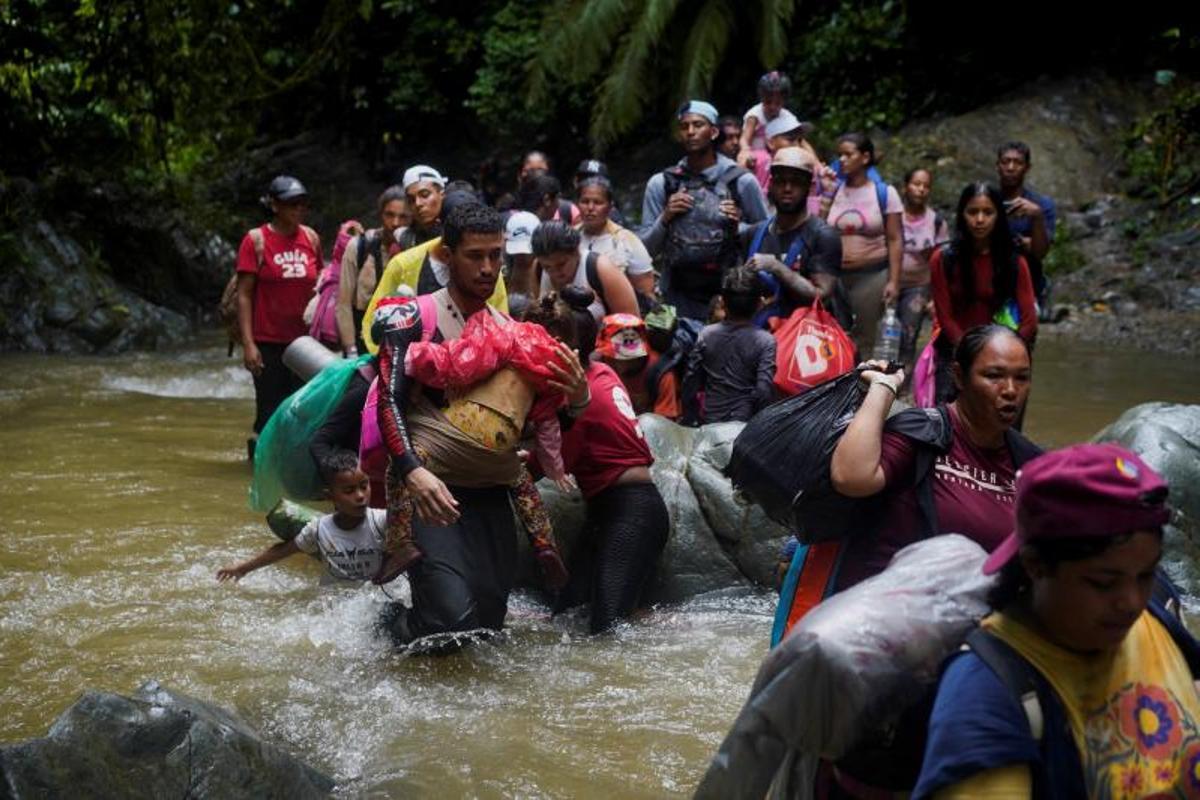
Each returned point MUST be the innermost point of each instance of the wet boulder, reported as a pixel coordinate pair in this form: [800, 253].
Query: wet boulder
[1167, 437]
[157, 743]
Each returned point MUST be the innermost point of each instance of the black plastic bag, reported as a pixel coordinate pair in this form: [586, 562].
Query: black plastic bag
[781, 461]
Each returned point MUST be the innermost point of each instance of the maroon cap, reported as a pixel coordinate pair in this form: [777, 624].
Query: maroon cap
[1084, 490]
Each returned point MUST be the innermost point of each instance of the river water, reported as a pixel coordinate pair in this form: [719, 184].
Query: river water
[123, 489]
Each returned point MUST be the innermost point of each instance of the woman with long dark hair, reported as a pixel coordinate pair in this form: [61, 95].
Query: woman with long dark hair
[978, 278]
[971, 481]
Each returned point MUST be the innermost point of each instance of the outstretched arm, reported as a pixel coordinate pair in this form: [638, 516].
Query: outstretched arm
[276, 552]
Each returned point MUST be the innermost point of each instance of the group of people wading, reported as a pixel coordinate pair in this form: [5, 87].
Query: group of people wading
[501, 339]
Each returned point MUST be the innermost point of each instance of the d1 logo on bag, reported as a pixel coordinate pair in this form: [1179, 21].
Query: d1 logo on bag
[812, 354]
[812, 348]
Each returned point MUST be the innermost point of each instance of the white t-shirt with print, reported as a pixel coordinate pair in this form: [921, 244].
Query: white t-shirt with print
[621, 245]
[758, 139]
[355, 554]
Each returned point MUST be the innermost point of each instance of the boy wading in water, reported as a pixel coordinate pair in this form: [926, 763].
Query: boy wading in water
[349, 541]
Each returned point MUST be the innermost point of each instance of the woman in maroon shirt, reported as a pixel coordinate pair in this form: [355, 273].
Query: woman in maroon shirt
[972, 481]
[604, 448]
[978, 278]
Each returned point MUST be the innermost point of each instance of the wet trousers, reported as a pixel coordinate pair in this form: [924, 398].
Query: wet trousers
[464, 579]
[627, 527]
[273, 385]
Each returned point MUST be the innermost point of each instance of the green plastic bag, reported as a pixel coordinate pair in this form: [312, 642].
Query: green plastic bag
[282, 464]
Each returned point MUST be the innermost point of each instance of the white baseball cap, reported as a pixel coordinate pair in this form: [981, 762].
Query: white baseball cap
[518, 232]
[784, 122]
[422, 172]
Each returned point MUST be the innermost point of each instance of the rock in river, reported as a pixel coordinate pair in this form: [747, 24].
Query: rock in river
[1167, 437]
[155, 744]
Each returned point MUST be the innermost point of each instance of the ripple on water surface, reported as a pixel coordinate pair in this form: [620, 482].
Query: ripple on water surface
[124, 489]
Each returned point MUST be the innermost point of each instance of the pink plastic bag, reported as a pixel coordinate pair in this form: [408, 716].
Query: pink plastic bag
[324, 321]
[485, 346]
[923, 379]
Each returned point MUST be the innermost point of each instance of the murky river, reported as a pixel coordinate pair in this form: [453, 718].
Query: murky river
[122, 490]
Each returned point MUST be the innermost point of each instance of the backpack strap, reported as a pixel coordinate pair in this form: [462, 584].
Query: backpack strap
[591, 270]
[1020, 448]
[760, 232]
[260, 247]
[429, 316]
[360, 254]
[1017, 675]
[728, 178]
[930, 430]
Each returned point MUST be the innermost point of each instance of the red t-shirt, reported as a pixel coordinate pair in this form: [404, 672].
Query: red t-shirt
[956, 315]
[973, 492]
[606, 439]
[285, 283]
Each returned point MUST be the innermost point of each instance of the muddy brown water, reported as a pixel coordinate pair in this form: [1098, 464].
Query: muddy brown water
[123, 489]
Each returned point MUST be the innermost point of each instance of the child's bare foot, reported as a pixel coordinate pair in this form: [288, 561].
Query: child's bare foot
[397, 561]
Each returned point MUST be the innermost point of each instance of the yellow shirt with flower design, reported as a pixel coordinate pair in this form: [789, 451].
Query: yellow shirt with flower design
[1134, 713]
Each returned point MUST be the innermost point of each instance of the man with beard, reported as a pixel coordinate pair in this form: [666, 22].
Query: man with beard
[459, 488]
[691, 211]
[798, 256]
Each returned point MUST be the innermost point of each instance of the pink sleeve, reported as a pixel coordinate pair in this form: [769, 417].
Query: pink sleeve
[894, 204]
[548, 448]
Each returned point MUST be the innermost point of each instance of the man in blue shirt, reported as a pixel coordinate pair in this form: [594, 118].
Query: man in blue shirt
[1031, 216]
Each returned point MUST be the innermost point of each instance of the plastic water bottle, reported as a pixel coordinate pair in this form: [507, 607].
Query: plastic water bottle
[887, 343]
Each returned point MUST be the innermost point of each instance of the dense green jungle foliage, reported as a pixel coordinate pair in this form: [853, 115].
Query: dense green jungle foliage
[163, 96]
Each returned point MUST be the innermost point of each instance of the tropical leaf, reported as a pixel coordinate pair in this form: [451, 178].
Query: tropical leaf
[578, 37]
[705, 48]
[774, 23]
[624, 92]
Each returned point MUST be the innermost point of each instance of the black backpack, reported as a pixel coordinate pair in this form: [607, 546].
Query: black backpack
[702, 243]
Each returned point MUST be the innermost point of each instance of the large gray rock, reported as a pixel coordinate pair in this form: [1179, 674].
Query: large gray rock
[155, 744]
[1167, 437]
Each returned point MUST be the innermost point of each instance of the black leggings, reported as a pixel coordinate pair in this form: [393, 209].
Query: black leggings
[627, 528]
[273, 385]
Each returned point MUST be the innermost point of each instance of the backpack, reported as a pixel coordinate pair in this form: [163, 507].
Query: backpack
[881, 186]
[591, 271]
[702, 243]
[687, 332]
[323, 320]
[227, 306]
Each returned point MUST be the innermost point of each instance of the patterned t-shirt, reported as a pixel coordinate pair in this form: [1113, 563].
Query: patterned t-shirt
[354, 554]
[855, 214]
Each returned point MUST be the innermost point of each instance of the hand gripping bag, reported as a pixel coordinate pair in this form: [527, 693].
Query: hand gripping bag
[844, 678]
[781, 460]
[810, 349]
[282, 464]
